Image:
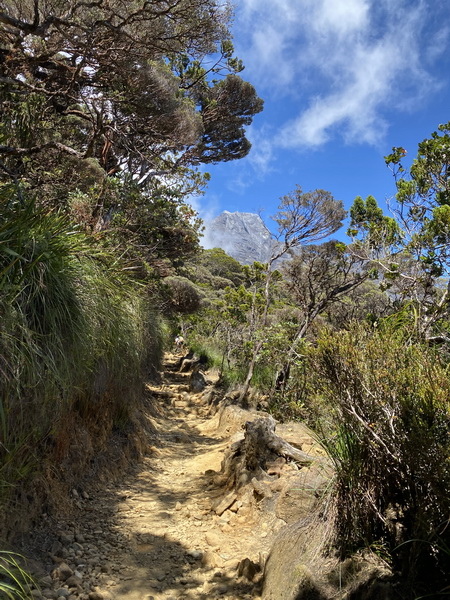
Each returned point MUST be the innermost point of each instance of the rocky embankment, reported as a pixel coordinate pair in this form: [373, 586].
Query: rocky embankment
[196, 519]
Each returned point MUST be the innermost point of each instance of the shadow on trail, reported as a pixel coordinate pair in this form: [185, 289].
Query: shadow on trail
[163, 565]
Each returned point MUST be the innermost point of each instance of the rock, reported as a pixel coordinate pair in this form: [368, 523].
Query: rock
[187, 364]
[236, 506]
[63, 572]
[248, 569]
[209, 559]
[197, 382]
[62, 593]
[77, 547]
[299, 494]
[57, 549]
[213, 539]
[66, 538]
[74, 581]
[231, 564]
[224, 503]
[46, 582]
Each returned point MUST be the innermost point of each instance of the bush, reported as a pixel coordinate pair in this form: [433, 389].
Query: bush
[387, 431]
[184, 296]
[77, 335]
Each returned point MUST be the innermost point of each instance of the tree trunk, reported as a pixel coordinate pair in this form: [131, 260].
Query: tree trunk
[249, 458]
[248, 379]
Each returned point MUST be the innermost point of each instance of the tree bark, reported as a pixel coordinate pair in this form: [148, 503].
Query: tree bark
[249, 457]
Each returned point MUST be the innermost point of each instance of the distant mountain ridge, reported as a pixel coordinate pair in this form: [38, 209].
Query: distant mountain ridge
[242, 235]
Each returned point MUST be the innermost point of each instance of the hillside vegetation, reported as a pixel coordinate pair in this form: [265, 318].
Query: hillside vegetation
[109, 109]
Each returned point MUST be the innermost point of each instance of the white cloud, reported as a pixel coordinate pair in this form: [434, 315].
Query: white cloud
[339, 17]
[261, 155]
[344, 62]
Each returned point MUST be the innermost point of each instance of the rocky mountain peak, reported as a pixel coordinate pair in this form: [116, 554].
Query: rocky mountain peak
[242, 235]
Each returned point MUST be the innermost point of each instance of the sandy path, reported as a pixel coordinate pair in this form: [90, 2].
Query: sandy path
[166, 542]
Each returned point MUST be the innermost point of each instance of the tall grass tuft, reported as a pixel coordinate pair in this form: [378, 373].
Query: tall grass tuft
[15, 581]
[387, 429]
[76, 334]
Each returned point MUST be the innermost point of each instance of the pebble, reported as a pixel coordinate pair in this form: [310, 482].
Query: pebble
[63, 571]
[213, 538]
[195, 554]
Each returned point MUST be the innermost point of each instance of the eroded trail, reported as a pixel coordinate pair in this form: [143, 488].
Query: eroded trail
[177, 546]
[163, 531]
[170, 528]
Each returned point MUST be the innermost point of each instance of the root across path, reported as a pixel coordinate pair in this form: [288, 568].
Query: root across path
[170, 528]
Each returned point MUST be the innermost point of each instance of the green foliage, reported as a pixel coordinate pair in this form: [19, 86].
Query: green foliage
[368, 223]
[77, 334]
[220, 264]
[15, 582]
[387, 414]
[423, 195]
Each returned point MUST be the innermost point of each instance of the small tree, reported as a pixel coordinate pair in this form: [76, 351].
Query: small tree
[316, 278]
[302, 218]
[411, 252]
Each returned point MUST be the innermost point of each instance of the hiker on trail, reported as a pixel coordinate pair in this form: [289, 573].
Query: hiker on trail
[179, 342]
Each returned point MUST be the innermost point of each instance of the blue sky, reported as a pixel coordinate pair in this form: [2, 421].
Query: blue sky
[343, 81]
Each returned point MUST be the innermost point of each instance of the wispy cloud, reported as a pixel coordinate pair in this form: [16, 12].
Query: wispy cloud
[344, 63]
[261, 155]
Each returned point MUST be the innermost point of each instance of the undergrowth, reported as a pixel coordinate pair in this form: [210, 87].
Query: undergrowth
[77, 335]
[385, 423]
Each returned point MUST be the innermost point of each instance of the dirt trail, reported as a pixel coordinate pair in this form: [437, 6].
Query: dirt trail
[168, 529]
[178, 547]
[158, 533]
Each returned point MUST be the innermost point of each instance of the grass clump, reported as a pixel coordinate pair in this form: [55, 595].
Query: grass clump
[15, 581]
[77, 336]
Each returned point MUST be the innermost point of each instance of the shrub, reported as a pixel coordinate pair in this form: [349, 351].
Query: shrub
[184, 296]
[387, 431]
[76, 335]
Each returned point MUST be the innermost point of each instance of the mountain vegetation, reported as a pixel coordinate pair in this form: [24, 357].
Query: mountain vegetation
[109, 109]
[353, 339]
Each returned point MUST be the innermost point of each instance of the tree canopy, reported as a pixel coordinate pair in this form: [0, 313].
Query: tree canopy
[149, 88]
